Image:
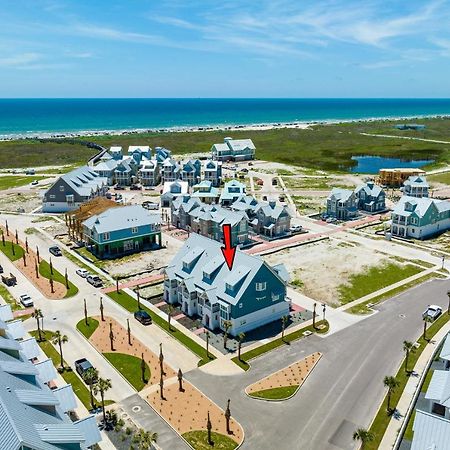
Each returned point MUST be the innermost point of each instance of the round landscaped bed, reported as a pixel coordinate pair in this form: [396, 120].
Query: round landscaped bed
[130, 367]
[87, 330]
[199, 440]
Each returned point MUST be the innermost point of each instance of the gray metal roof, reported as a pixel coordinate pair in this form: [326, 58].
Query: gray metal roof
[445, 351]
[340, 194]
[430, 432]
[83, 180]
[122, 218]
[370, 188]
[439, 387]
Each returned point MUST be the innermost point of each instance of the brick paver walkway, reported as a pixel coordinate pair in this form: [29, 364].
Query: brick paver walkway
[137, 282]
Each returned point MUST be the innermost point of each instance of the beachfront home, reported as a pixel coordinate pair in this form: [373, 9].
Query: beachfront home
[416, 186]
[106, 168]
[252, 294]
[72, 189]
[191, 171]
[212, 171]
[410, 126]
[342, 204]
[189, 214]
[370, 197]
[122, 230]
[271, 220]
[170, 170]
[116, 152]
[231, 192]
[125, 172]
[420, 218]
[139, 152]
[149, 173]
[233, 150]
[172, 190]
[205, 192]
[247, 204]
[161, 154]
[36, 408]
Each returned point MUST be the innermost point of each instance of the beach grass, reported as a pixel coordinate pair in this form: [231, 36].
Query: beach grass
[322, 146]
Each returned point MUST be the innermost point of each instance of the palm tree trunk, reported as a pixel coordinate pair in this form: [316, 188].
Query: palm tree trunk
[103, 406]
[39, 329]
[424, 330]
[406, 361]
[61, 353]
[239, 351]
[389, 400]
[92, 395]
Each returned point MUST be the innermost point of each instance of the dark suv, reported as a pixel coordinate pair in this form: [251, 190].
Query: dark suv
[143, 317]
[82, 366]
[55, 251]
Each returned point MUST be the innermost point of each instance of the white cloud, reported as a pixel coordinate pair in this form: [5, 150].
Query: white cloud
[20, 60]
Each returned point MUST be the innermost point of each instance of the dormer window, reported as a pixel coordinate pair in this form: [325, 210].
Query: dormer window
[261, 286]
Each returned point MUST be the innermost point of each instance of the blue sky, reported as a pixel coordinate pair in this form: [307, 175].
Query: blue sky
[208, 48]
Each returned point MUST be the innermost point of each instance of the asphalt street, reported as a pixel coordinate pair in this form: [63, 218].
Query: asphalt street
[345, 389]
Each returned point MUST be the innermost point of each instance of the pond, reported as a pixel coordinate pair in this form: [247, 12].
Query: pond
[372, 164]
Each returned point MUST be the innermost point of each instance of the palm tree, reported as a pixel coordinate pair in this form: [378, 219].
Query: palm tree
[363, 435]
[170, 310]
[60, 339]
[408, 347]
[284, 320]
[103, 385]
[426, 319]
[90, 377]
[391, 383]
[37, 314]
[145, 439]
[241, 337]
[226, 326]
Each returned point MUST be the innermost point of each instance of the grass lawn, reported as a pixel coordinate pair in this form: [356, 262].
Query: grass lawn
[101, 264]
[362, 307]
[130, 367]
[70, 377]
[199, 440]
[130, 304]
[6, 295]
[44, 270]
[258, 351]
[12, 181]
[279, 393]
[373, 279]
[440, 178]
[87, 330]
[382, 419]
[7, 249]
[79, 262]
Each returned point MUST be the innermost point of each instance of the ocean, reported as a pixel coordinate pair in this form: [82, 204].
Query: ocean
[27, 117]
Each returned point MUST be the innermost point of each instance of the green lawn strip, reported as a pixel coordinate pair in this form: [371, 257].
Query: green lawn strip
[258, 351]
[87, 330]
[12, 181]
[8, 251]
[83, 251]
[130, 304]
[6, 295]
[443, 178]
[130, 367]
[382, 419]
[44, 270]
[278, 393]
[374, 279]
[70, 377]
[409, 429]
[199, 440]
[362, 308]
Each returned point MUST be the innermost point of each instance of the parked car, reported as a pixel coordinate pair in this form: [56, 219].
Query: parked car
[30, 172]
[119, 187]
[135, 187]
[95, 280]
[274, 181]
[83, 273]
[108, 195]
[10, 280]
[55, 250]
[281, 198]
[150, 205]
[82, 366]
[34, 182]
[143, 317]
[433, 312]
[295, 228]
[26, 300]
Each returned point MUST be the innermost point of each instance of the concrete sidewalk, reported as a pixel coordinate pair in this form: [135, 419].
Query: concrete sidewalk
[412, 385]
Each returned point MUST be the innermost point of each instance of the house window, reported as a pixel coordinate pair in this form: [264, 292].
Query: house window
[128, 245]
[261, 286]
[240, 305]
[52, 196]
[61, 188]
[242, 322]
[134, 230]
[106, 236]
[70, 199]
[275, 297]
[438, 409]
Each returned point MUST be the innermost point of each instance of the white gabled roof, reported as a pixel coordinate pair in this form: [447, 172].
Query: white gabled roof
[430, 432]
[439, 387]
[445, 351]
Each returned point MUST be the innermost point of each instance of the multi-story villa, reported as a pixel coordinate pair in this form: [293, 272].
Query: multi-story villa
[206, 192]
[122, 230]
[252, 294]
[231, 192]
[342, 204]
[72, 189]
[190, 214]
[149, 173]
[271, 220]
[420, 218]
[191, 171]
[172, 190]
[35, 408]
[416, 186]
[212, 171]
[233, 150]
[370, 197]
[170, 170]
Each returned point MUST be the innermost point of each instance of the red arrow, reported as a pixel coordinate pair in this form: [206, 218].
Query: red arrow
[228, 251]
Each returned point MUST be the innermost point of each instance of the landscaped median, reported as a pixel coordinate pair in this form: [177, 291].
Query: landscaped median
[320, 328]
[123, 352]
[284, 384]
[382, 419]
[130, 304]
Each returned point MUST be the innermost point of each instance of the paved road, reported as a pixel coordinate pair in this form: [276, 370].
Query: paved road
[345, 389]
